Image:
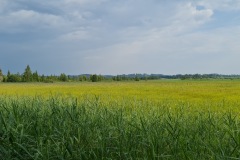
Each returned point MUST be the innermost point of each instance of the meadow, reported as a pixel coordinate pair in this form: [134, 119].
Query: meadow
[163, 119]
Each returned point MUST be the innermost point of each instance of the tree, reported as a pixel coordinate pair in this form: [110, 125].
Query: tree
[136, 78]
[4, 79]
[63, 77]
[119, 78]
[42, 78]
[100, 78]
[35, 77]
[8, 75]
[84, 78]
[18, 77]
[1, 76]
[145, 77]
[27, 75]
[94, 78]
[81, 78]
[13, 78]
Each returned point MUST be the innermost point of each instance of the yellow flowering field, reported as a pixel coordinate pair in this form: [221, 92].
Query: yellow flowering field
[163, 119]
[212, 90]
[195, 92]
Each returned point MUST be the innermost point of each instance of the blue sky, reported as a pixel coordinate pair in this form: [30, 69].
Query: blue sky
[120, 36]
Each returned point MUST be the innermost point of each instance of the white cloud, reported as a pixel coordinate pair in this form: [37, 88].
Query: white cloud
[188, 16]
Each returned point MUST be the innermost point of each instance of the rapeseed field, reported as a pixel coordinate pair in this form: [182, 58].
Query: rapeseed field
[214, 90]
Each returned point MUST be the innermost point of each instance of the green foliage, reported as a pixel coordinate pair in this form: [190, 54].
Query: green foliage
[83, 78]
[35, 77]
[59, 128]
[42, 78]
[63, 77]
[96, 78]
[27, 75]
[100, 78]
[50, 79]
[118, 78]
[1, 75]
[8, 74]
[4, 79]
[12, 77]
[136, 78]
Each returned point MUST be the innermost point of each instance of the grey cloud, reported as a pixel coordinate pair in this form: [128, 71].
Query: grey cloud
[224, 5]
[106, 36]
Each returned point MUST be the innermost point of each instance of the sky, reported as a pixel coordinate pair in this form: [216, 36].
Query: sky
[120, 36]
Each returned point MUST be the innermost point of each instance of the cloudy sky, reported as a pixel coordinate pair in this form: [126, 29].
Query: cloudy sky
[120, 36]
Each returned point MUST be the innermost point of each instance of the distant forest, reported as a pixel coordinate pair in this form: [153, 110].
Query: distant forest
[29, 76]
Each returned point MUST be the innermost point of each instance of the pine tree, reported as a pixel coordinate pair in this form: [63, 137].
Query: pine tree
[1, 76]
[8, 75]
[35, 77]
[42, 79]
[27, 75]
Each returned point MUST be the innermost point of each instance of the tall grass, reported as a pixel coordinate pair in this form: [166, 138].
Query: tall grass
[55, 128]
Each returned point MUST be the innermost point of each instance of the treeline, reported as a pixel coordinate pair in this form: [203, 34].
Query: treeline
[207, 76]
[29, 76]
[138, 77]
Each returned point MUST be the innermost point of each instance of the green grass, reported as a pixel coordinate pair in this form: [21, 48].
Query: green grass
[60, 128]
